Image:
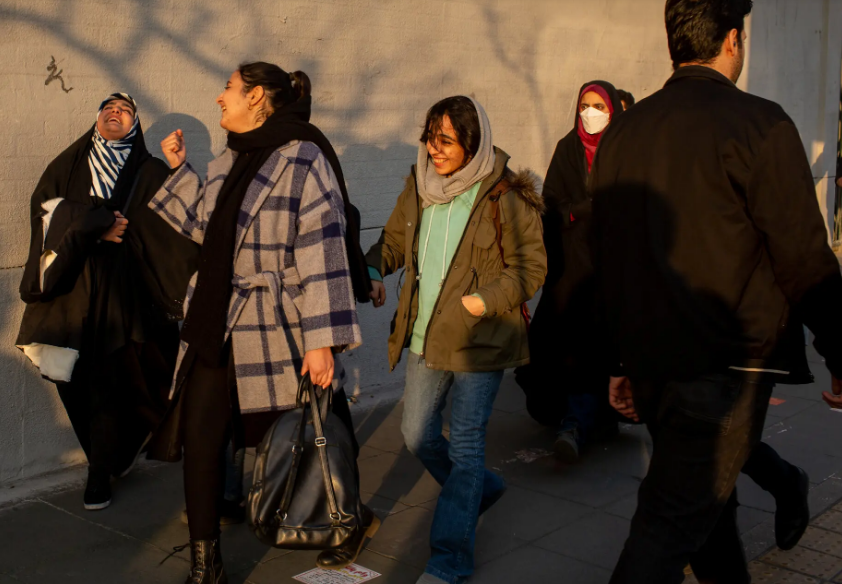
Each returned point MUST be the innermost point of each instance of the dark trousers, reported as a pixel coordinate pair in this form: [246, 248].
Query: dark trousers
[114, 403]
[703, 433]
[210, 400]
[771, 472]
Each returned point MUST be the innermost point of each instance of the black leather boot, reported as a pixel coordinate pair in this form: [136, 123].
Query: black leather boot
[347, 554]
[207, 565]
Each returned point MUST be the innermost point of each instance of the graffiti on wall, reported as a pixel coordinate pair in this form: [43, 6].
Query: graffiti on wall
[55, 74]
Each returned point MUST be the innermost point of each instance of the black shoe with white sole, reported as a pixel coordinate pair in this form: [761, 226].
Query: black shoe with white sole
[98, 491]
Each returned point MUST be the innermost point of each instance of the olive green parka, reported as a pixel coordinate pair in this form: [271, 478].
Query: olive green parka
[456, 340]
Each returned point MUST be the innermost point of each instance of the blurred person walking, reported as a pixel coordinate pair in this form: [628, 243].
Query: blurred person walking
[103, 285]
[273, 297]
[567, 376]
[710, 253]
[627, 98]
[467, 232]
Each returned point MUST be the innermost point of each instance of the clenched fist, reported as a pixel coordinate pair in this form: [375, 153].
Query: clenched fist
[173, 148]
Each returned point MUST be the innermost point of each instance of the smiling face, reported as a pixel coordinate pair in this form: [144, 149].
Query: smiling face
[447, 154]
[240, 109]
[115, 120]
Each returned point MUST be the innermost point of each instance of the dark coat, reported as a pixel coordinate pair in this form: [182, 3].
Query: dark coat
[563, 343]
[98, 296]
[710, 246]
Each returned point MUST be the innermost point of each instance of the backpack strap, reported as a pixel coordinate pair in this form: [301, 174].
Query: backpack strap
[503, 187]
[500, 189]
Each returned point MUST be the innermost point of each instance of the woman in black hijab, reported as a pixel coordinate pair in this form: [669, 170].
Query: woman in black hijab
[103, 298]
[566, 382]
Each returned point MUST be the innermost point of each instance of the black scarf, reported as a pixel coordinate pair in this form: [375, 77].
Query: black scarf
[205, 325]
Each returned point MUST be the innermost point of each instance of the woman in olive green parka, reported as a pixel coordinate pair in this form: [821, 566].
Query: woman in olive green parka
[468, 233]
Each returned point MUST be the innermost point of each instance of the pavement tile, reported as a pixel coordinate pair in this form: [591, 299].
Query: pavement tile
[805, 561]
[822, 541]
[522, 516]
[283, 569]
[595, 539]
[530, 564]
[762, 573]
[405, 537]
[399, 478]
[791, 406]
[759, 540]
[381, 428]
[25, 526]
[579, 484]
[749, 518]
[87, 552]
[158, 492]
[823, 496]
[382, 506]
[831, 520]
[624, 507]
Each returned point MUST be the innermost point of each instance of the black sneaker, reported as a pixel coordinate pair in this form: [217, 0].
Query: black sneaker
[98, 492]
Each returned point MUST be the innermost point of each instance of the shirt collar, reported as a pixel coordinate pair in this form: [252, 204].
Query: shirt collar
[699, 71]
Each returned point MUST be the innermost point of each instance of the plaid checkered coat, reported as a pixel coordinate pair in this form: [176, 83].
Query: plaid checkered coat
[292, 285]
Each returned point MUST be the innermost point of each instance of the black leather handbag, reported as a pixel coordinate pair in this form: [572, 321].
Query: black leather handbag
[305, 494]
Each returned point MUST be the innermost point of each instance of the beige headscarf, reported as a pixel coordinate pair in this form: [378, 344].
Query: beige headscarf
[435, 189]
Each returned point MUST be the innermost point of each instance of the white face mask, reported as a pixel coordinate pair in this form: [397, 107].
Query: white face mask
[594, 120]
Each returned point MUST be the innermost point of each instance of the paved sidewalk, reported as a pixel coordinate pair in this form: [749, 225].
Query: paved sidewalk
[557, 523]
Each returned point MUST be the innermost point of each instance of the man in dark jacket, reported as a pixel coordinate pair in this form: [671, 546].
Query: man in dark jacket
[711, 251]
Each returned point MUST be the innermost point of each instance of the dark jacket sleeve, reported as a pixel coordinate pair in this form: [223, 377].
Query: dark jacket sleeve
[72, 230]
[781, 198]
[387, 256]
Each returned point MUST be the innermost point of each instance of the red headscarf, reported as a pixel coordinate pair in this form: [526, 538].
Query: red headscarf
[591, 141]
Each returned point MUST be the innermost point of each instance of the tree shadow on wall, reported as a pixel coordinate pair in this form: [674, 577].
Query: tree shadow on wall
[197, 139]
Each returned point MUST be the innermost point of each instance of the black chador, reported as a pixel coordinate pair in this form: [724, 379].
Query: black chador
[101, 317]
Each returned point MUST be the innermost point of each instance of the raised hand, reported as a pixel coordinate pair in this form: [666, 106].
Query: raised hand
[174, 149]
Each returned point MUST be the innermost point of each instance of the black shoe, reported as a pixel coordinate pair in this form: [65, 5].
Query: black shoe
[487, 502]
[206, 565]
[793, 514]
[347, 554]
[231, 513]
[98, 491]
[566, 446]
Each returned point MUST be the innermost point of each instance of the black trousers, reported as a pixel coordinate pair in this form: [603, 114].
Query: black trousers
[208, 417]
[703, 432]
[114, 403]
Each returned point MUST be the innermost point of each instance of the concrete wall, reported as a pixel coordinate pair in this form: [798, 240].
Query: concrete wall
[376, 66]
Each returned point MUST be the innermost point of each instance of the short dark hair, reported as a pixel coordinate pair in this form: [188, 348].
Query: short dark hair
[464, 118]
[281, 88]
[626, 97]
[696, 29]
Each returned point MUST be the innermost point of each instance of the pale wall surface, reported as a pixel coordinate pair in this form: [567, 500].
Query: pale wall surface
[376, 66]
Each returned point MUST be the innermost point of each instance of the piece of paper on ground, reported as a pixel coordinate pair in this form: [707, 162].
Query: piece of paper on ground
[352, 574]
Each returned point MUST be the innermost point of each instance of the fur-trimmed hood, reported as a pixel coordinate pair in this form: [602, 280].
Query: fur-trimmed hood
[525, 183]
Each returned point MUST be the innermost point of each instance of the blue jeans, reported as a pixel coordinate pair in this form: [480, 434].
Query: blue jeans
[457, 465]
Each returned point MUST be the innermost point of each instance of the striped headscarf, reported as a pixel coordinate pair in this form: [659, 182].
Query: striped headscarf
[107, 157]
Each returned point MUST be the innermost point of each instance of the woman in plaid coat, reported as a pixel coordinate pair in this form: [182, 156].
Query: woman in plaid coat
[272, 298]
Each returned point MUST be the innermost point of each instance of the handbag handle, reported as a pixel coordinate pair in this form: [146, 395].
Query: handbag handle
[306, 385]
